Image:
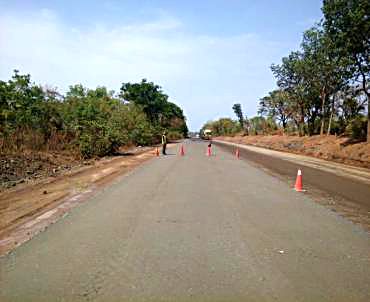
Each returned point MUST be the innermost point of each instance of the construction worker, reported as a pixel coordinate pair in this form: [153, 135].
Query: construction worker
[164, 142]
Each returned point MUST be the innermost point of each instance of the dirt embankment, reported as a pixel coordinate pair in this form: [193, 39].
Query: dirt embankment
[20, 168]
[30, 167]
[342, 150]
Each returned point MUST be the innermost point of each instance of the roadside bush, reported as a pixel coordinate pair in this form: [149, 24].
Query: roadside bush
[223, 127]
[98, 140]
[357, 128]
[259, 125]
[87, 122]
[174, 135]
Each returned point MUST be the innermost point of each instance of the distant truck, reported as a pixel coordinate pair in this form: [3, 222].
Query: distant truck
[207, 134]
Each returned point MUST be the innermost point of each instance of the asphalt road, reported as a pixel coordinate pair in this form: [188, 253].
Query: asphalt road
[193, 228]
[335, 185]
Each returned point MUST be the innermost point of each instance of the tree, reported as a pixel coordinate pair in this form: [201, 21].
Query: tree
[348, 26]
[160, 112]
[239, 114]
[291, 79]
[277, 106]
[172, 117]
[323, 70]
[260, 125]
[147, 95]
[222, 126]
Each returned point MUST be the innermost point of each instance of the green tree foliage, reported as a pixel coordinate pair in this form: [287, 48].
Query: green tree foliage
[89, 122]
[160, 112]
[147, 95]
[222, 127]
[261, 125]
[347, 25]
[25, 109]
[239, 114]
[277, 106]
[291, 75]
[324, 71]
[95, 119]
[324, 85]
[228, 127]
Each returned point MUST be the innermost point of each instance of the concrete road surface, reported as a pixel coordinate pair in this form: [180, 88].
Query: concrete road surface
[193, 228]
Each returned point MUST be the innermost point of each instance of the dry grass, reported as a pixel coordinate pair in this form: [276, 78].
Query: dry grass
[28, 139]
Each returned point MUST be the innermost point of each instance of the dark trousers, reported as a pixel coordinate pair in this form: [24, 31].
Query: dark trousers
[164, 149]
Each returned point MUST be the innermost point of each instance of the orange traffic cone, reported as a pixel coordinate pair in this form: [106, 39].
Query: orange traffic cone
[182, 151]
[157, 152]
[237, 153]
[298, 182]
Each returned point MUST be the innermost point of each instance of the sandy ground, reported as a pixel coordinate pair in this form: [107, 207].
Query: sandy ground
[30, 208]
[193, 228]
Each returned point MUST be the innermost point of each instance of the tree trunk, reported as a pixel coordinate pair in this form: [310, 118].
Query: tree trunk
[368, 118]
[367, 93]
[329, 126]
[331, 115]
[311, 125]
[323, 96]
[296, 122]
[301, 122]
[301, 126]
[368, 107]
[284, 123]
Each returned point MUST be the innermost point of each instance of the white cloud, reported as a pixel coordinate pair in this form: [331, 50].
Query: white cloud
[204, 74]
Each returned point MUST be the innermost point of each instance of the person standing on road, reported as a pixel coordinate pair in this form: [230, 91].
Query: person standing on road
[164, 143]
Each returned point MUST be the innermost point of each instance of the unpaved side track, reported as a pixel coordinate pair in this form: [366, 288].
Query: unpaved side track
[193, 228]
[26, 211]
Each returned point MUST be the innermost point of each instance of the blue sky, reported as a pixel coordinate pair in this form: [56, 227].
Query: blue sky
[206, 55]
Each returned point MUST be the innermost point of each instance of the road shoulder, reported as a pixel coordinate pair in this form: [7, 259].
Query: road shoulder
[29, 210]
[341, 188]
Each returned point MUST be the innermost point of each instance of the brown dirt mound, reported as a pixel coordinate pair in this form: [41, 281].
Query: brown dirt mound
[26, 166]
